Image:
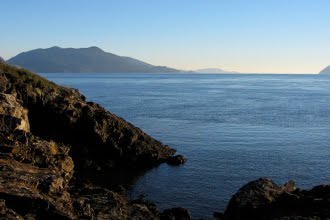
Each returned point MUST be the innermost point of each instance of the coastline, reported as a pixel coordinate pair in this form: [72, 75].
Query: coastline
[38, 115]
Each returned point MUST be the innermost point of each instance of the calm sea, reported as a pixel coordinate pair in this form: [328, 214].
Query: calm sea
[232, 128]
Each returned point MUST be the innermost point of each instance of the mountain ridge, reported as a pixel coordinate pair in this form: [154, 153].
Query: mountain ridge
[82, 60]
[214, 71]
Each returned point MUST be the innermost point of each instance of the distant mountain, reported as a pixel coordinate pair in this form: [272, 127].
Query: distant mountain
[214, 71]
[1, 60]
[326, 70]
[82, 60]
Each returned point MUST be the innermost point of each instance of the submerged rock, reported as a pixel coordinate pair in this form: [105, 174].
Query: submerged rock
[176, 160]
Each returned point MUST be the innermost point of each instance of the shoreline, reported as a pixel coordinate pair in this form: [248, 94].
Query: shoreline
[51, 134]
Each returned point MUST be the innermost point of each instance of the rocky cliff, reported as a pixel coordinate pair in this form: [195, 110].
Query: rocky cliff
[50, 136]
[97, 138]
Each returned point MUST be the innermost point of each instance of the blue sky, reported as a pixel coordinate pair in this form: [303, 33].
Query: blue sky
[273, 36]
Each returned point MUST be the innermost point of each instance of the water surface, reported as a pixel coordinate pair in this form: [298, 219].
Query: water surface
[232, 128]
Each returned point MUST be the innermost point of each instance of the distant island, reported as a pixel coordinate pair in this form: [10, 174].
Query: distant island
[325, 70]
[214, 71]
[91, 60]
[82, 60]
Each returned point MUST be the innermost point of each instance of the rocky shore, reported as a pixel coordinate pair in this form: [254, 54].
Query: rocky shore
[57, 151]
[51, 139]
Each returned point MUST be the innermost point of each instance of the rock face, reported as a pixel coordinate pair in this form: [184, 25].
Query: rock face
[49, 136]
[325, 70]
[13, 114]
[263, 199]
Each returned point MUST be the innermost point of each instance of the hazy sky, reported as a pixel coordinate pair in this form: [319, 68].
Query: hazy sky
[277, 36]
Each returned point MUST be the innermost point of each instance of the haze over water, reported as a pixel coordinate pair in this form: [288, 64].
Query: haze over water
[232, 128]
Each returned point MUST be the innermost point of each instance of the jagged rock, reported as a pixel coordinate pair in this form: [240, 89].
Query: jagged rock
[26, 148]
[13, 114]
[176, 160]
[108, 204]
[20, 188]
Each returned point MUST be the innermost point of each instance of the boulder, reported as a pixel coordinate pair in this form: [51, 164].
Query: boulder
[263, 199]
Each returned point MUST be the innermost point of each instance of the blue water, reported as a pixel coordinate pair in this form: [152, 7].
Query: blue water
[232, 128]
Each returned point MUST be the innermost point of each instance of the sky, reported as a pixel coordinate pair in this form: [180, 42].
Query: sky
[252, 36]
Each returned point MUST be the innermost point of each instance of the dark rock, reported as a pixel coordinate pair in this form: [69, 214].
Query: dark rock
[6, 213]
[255, 194]
[263, 199]
[106, 204]
[218, 215]
[175, 214]
[176, 160]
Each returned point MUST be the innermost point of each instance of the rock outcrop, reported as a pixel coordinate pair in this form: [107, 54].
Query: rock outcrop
[50, 136]
[263, 199]
[98, 138]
